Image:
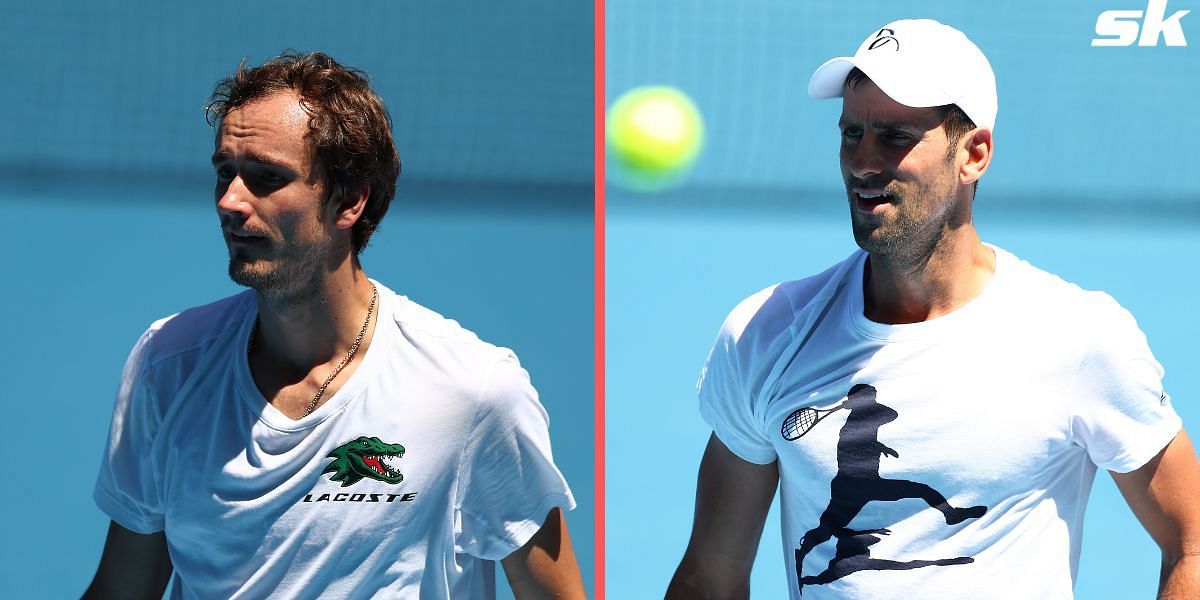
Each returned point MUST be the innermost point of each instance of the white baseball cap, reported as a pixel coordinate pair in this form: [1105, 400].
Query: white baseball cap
[918, 63]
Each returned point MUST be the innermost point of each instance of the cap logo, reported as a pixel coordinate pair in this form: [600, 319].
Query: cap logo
[882, 40]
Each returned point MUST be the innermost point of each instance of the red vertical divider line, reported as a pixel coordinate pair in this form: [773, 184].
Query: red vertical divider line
[598, 157]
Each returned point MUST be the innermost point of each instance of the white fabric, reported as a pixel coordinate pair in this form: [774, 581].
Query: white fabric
[1009, 403]
[918, 63]
[195, 450]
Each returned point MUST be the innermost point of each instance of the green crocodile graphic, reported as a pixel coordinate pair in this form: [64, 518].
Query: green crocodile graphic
[364, 457]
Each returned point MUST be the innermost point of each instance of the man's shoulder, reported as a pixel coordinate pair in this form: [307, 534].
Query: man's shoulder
[1054, 303]
[1052, 292]
[775, 308]
[486, 374]
[194, 327]
[434, 333]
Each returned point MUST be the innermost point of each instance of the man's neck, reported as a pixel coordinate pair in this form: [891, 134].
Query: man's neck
[911, 289]
[316, 323]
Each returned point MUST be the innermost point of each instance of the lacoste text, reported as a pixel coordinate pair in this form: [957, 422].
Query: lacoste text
[344, 497]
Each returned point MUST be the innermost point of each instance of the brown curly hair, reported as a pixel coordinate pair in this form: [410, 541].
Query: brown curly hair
[348, 124]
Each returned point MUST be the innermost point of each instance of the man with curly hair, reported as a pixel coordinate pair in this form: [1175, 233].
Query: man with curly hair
[320, 435]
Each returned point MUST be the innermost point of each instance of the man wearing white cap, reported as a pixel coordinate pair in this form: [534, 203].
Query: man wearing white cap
[933, 409]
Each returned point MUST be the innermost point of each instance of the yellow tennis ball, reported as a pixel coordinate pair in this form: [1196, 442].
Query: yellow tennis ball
[654, 135]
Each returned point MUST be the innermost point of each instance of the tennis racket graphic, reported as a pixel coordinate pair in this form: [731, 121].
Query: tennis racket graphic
[802, 420]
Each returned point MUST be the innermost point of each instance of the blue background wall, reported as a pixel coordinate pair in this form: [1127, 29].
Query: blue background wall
[110, 223]
[1076, 123]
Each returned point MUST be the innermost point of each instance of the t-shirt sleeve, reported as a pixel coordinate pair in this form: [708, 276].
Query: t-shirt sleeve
[726, 403]
[509, 481]
[1123, 416]
[127, 487]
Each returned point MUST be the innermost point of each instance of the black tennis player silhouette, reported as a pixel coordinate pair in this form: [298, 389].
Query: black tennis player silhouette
[857, 483]
[853, 554]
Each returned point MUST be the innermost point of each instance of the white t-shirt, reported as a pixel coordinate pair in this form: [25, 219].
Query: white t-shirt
[960, 461]
[430, 462]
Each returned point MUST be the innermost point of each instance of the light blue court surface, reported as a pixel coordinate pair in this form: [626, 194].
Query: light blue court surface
[672, 278]
[86, 272]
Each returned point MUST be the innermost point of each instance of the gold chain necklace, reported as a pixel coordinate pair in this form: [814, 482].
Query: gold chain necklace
[312, 404]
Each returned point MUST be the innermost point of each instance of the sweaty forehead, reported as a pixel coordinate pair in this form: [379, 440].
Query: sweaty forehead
[276, 125]
[279, 114]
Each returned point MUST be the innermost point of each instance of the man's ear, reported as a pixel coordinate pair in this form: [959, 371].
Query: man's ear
[977, 145]
[348, 206]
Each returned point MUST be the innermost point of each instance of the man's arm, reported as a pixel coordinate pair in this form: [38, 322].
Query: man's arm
[133, 565]
[732, 500]
[1164, 496]
[545, 567]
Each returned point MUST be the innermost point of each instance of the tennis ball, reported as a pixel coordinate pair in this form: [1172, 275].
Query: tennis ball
[654, 135]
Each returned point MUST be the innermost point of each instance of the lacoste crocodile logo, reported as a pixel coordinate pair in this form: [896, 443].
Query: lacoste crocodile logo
[367, 457]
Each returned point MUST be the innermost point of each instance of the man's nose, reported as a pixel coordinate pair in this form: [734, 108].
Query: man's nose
[865, 158]
[232, 200]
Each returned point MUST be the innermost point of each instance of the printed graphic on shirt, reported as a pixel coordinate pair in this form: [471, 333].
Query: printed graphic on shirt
[365, 457]
[858, 483]
[347, 497]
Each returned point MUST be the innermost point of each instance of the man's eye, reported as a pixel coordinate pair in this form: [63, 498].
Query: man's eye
[899, 137]
[271, 179]
[851, 132]
[225, 173]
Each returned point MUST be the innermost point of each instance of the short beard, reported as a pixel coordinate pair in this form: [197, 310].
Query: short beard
[286, 279]
[910, 236]
[879, 240]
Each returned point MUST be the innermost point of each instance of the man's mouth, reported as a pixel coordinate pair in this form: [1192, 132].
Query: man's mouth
[870, 200]
[245, 237]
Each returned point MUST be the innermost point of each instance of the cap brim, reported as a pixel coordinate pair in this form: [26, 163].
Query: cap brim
[829, 79]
